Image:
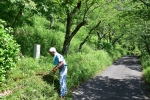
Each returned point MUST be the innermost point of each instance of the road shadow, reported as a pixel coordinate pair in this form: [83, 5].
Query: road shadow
[131, 62]
[51, 80]
[104, 88]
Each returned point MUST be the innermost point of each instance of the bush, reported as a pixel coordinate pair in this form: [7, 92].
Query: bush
[147, 74]
[9, 51]
[145, 61]
[117, 52]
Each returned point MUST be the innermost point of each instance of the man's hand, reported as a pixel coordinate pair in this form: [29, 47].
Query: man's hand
[55, 69]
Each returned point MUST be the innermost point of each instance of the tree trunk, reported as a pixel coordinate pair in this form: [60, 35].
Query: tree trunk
[99, 40]
[51, 21]
[66, 46]
[67, 35]
[100, 37]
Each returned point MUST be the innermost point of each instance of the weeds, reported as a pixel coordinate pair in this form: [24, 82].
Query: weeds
[32, 79]
[145, 61]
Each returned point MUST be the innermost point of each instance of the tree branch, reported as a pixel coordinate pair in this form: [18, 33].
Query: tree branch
[87, 9]
[75, 8]
[87, 37]
[117, 39]
[147, 4]
[101, 37]
[94, 27]
[77, 29]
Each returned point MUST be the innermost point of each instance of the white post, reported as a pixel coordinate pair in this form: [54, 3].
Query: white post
[37, 50]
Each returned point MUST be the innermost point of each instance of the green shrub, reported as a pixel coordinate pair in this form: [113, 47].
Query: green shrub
[145, 61]
[147, 74]
[9, 51]
[117, 52]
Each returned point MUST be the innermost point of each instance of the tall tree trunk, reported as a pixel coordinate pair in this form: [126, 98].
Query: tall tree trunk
[67, 35]
[66, 46]
[100, 37]
[99, 40]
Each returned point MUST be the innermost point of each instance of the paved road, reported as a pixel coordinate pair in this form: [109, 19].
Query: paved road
[120, 81]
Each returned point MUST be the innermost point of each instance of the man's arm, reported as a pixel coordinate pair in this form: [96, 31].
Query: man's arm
[57, 67]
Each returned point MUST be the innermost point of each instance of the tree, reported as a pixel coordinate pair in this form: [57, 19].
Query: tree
[14, 9]
[86, 10]
[69, 35]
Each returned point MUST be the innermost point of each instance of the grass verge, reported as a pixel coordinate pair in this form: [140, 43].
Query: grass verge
[145, 61]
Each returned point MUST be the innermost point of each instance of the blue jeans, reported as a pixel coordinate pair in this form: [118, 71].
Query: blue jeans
[63, 87]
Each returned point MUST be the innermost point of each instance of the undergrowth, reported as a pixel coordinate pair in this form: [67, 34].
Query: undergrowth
[33, 79]
[145, 61]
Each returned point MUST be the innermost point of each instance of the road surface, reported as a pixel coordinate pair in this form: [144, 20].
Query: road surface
[120, 81]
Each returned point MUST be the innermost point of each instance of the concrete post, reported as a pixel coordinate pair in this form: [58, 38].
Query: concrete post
[36, 51]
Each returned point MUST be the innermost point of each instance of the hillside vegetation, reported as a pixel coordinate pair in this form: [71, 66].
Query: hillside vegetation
[91, 34]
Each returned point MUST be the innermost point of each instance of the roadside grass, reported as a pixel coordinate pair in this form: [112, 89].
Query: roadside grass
[32, 79]
[145, 61]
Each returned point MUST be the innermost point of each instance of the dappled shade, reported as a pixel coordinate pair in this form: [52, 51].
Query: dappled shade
[120, 81]
[104, 88]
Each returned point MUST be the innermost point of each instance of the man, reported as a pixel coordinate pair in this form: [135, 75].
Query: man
[60, 64]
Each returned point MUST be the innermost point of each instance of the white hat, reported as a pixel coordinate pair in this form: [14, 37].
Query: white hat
[52, 49]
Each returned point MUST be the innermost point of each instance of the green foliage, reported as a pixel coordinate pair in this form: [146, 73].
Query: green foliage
[82, 66]
[145, 61]
[117, 52]
[38, 34]
[147, 74]
[28, 82]
[33, 78]
[17, 11]
[9, 51]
